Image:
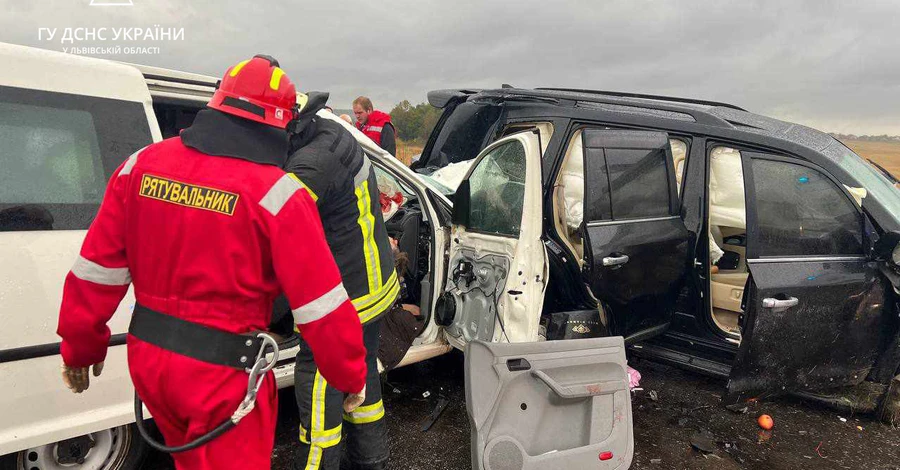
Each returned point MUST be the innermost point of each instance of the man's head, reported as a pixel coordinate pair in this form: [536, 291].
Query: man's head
[362, 107]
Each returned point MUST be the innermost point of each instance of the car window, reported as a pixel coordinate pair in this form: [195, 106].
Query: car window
[638, 182]
[801, 212]
[57, 152]
[463, 134]
[497, 186]
[627, 174]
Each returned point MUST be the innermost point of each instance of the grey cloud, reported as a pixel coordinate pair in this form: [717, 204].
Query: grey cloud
[828, 64]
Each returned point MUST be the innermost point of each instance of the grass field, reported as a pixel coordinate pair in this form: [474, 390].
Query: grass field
[886, 154]
[406, 150]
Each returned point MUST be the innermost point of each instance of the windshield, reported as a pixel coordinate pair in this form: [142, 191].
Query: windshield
[870, 178]
[436, 185]
[463, 134]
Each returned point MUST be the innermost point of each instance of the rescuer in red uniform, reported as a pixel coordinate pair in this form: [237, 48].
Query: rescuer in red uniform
[375, 124]
[210, 230]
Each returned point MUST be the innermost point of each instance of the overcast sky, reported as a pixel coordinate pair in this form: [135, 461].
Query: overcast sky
[833, 65]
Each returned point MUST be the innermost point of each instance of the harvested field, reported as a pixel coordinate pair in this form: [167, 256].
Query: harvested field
[886, 154]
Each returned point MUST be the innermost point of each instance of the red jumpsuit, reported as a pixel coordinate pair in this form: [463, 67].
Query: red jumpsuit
[212, 240]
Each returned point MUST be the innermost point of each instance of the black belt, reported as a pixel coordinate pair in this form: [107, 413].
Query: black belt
[208, 345]
[193, 339]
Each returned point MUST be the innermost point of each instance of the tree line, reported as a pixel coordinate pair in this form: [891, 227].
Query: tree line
[414, 123]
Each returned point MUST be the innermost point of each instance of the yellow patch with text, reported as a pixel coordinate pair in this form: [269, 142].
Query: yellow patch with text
[188, 195]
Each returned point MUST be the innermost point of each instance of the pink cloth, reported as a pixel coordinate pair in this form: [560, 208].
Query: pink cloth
[634, 378]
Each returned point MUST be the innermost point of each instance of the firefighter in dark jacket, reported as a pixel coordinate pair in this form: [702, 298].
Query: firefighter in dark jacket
[332, 166]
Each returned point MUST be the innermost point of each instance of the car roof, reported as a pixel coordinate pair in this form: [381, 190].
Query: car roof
[711, 114]
[40, 69]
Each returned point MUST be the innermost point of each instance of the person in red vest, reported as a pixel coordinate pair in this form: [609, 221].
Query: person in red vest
[375, 124]
[210, 230]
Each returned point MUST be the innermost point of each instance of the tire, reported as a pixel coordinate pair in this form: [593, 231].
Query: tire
[120, 448]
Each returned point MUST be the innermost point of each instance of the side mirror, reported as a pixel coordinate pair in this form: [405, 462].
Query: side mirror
[461, 204]
[887, 248]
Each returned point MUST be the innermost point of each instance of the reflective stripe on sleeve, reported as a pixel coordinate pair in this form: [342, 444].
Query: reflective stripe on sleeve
[322, 306]
[87, 270]
[279, 194]
[129, 164]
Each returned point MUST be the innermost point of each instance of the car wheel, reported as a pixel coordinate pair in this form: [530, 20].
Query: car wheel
[120, 448]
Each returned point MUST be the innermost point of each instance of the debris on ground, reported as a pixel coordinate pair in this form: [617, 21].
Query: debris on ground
[819, 451]
[732, 449]
[435, 413]
[766, 422]
[763, 436]
[426, 394]
[654, 395]
[634, 378]
[843, 420]
[739, 408]
[656, 461]
[859, 428]
[703, 442]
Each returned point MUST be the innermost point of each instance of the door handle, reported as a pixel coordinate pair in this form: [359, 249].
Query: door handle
[780, 305]
[578, 389]
[615, 260]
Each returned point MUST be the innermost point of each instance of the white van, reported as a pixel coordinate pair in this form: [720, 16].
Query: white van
[66, 123]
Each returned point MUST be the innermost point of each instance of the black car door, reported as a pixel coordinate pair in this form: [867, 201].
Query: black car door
[636, 243]
[814, 304]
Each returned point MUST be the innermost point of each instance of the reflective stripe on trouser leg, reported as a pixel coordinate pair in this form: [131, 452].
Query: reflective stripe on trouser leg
[365, 429]
[320, 416]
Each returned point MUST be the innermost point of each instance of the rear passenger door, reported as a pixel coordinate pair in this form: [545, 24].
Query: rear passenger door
[636, 243]
[814, 308]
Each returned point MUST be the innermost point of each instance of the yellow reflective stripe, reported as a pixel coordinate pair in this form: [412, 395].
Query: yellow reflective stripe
[369, 313]
[366, 414]
[317, 420]
[367, 225]
[372, 298]
[315, 458]
[275, 82]
[237, 68]
[307, 188]
[327, 438]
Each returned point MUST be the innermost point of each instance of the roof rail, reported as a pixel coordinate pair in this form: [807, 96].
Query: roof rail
[646, 97]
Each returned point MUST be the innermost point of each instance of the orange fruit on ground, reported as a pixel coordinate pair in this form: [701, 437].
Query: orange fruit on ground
[766, 422]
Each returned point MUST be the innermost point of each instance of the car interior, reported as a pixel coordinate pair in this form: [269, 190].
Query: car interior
[406, 223]
[727, 238]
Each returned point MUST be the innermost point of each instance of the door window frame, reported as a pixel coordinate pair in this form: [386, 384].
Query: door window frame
[675, 199]
[752, 251]
[477, 161]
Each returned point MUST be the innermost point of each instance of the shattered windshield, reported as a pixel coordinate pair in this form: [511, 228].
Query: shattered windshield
[463, 134]
[877, 185]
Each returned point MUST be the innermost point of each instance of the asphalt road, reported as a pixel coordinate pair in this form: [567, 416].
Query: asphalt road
[686, 406]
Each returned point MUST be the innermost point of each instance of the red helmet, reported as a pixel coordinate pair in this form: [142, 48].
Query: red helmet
[258, 90]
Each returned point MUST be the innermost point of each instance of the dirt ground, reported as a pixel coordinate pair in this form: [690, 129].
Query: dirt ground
[805, 436]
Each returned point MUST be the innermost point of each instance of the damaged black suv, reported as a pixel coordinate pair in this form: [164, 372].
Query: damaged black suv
[707, 236]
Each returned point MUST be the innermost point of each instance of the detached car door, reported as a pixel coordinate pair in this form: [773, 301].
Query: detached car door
[497, 271]
[636, 242]
[814, 306]
[549, 405]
